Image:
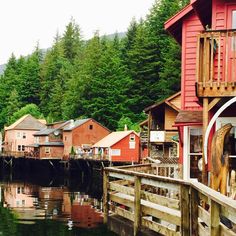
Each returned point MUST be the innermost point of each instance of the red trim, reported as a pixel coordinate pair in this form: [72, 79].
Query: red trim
[178, 16]
[187, 124]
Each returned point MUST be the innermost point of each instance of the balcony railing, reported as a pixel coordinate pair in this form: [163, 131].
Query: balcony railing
[216, 63]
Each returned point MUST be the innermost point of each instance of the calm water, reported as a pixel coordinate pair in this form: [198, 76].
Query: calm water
[51, 205]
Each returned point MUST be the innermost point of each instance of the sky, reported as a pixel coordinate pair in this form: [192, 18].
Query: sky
[24, 23]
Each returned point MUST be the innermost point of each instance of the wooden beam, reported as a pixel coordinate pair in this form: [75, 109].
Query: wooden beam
[137, 206]
[105, 197]
[194, 211]
[185, 212]
[215, 219]
[205, 124]
[213, 103]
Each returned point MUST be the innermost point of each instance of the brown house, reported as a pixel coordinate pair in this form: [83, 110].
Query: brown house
[80, 135]
[158, 134]
[61, 139]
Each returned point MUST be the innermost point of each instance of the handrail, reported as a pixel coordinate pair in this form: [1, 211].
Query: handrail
[151, 201]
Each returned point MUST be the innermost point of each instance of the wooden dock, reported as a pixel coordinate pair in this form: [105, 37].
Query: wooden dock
[165, 205]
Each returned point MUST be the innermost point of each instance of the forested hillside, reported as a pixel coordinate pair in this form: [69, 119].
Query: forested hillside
[108, 79]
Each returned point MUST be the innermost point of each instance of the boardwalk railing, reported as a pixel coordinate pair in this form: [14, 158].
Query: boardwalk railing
[166, 205]
[216, 63]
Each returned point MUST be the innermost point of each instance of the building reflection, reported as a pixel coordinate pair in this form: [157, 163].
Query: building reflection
[31, 202]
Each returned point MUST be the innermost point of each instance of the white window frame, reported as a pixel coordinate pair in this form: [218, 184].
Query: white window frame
[115, 152]
[132, 137]
[47, 150]
[18, 135]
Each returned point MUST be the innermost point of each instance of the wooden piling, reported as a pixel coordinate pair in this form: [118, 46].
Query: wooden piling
[105, 197]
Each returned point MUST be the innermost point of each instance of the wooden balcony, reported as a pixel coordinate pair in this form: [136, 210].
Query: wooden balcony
[216, 64]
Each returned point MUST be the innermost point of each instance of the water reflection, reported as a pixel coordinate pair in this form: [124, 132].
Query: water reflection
[62, 209]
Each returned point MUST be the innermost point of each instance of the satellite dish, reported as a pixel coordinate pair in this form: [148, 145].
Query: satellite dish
[56, 132]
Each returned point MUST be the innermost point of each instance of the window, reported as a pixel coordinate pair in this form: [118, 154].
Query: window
[19, 148]
[18, 190]
[36, 140]
[195, 151]
[234, 27]
[234, 19]
[24, 136]
[131, 145]
[132, 138]
[23, 148]
[47, 150]
[18, 135]
[23, 202]
[46, 139]
[65, 138]
[115, 152]
[90, 126]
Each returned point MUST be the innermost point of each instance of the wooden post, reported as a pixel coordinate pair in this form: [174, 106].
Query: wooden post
[185, 210]
[194, 212]
[149, 129]
[105, 196]
[205, 123]
[137, 205]
[215, 219]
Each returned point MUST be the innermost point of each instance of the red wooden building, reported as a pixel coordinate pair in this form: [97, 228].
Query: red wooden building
[206, 31]
[120, 146]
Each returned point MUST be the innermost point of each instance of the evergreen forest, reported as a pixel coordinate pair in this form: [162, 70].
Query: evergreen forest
[109, 79]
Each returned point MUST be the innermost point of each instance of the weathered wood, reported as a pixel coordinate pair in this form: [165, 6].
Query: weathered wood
[203, 231]
[161, 212]
[194, 212]
[224, 201]
[214, 219]
[204, 215]
[121, 189]
[205, 124]
[122, 199]
[213, 103]
[124, 213]
[160, 184]
[185, 210]
[105, 197]
[121, 176]
[137, 205]
[224, 231]
[159, 228]
[161, 200]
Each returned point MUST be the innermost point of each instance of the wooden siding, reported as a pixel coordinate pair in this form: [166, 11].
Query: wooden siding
[176, 101]
[191, 27]
[127, 154]
[84, 135]
[170, 116]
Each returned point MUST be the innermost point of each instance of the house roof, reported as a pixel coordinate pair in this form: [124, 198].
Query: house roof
[52, 144]
[166, 101]
[113, 138]
[74, 124]
[44, 132]
[201, 7]
[189, 117]
[26, 122]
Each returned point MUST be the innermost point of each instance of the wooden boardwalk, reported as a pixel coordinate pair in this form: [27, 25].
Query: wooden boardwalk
[166, 205]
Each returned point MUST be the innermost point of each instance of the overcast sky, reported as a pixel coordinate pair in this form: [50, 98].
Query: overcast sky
[23, 23]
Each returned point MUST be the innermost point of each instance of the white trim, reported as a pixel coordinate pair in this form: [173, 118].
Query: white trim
[211, 123]
[186, 161]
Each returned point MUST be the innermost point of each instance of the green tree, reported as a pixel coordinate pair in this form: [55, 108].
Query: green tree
[50, 74]
[31, 109]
